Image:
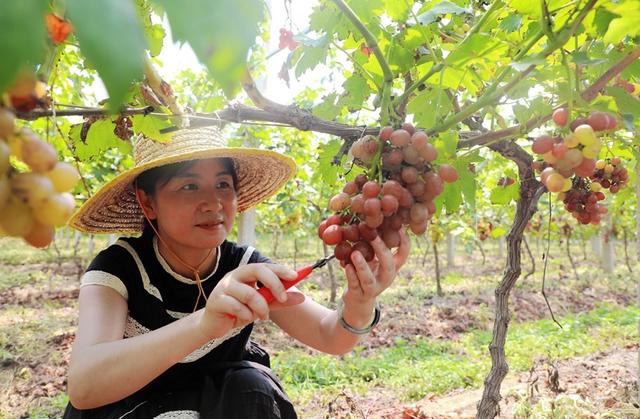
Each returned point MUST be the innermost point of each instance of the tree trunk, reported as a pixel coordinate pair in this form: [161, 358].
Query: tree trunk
[451, 250]
[626, 250]
[484, 256]
[276, 241]
[530, 193]
[247, 228]
[533, 261]
[332, 277]
[435, 254]
[596, 244]
[573, 265]
[638, 202]
[608, 253]
[426, 250]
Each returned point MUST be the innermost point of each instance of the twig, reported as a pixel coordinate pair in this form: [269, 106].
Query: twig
[544, 269]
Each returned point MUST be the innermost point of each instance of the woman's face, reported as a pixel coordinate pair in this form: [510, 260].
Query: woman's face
[196, 208]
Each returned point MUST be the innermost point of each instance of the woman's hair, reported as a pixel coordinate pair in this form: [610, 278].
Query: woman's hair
[149, 180]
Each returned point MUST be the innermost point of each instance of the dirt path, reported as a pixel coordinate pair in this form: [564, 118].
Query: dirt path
[598, 383]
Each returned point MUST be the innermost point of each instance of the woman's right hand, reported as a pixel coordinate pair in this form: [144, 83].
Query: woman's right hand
[235, 301]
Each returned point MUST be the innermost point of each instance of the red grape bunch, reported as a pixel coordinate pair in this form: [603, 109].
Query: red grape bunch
[575, 154]
[582, 202]
[484, 229]
[609, 174]
[286, 40]
[398, 190]
[32, 201]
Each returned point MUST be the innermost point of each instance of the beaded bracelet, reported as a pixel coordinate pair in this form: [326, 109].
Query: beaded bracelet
[355, 330]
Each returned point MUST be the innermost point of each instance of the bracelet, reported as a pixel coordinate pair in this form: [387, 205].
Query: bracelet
[354, 330]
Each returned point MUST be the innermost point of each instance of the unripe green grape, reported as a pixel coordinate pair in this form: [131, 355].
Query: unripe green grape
[585, 134]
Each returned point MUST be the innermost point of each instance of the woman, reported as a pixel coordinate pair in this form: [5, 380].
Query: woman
[165, 318]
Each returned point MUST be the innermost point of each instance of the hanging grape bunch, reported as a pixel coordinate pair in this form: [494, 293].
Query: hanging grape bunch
[569, 165]
[286, 40]
[484, 228]
[34, 201]
[398, 189]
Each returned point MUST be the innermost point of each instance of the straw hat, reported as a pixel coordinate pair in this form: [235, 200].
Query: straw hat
[114, 208]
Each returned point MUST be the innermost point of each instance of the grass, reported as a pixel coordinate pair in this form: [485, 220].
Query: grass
[418, 367]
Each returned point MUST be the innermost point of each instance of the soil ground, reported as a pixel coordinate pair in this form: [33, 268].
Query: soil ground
[602, 381]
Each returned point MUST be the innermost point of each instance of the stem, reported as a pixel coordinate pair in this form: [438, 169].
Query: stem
[357, 64]
[385, 90]
[369, 38]
[569, 83]
[433, 70]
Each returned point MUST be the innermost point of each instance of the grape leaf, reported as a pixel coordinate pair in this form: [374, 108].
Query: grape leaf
[511, 23]
[311, 57]
[219, 32]
[327, 170]
[23, 36]
[99, 138]
[397, 10]
[151, 126]
[442, 8]
[110, 36]
[327, 109]
[502, 195]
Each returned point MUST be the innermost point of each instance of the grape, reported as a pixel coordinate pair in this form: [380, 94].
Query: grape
[389, 204]
[448, 173]
[357, 204]
[16, 218]
[400, 138]
[5, 152]
[577, 122]
[7, 123]
[350, 188]
[31, 188]
[409, 174]
[372, 207]
[391, 238]
[339, 202]
[543, 145]
[5, 191]
[38, 155]
[411, 155]
[332, 235]
[560, 117]
[371, 189]
[409, 128]
[343, 251]
[385, 133]
[585, 134]
[392, 187]
[322, 227]
[365, 249]
[429, 153]
[586, 168]
[559, 150]
[419, 140]
[574, 157]
[55, 210]
[598, 121]
[555, 182]
[419, 213]
[571, 141]
[41, 235]
[351, 233]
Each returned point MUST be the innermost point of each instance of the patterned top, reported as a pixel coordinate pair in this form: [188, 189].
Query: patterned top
[157, 296]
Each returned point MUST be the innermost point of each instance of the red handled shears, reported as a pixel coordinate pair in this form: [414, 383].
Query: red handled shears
[302, 274]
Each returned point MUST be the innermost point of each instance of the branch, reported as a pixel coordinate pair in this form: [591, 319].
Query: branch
[43, 113]
[588, 95]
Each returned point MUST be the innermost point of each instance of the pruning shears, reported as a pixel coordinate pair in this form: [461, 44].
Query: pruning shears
[302, 274]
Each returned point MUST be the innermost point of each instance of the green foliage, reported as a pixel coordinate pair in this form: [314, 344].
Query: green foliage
[425, 366]
[118, 67]
[23, 37]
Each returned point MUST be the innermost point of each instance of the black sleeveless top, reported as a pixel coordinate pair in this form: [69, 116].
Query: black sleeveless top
[157, 296]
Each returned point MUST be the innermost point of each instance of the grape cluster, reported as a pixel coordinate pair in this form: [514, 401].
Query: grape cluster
[582, 203]
[33, 201]
[484, 228]
[286, 40]
[398, 191]
[575, 154]
[609, 174]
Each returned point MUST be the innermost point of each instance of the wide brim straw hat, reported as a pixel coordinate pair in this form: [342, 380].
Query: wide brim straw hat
[114, 208]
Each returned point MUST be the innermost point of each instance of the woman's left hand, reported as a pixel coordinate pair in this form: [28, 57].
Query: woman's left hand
[367, 280]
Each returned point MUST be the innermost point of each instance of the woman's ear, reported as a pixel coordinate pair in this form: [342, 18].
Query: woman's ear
[146, 203]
